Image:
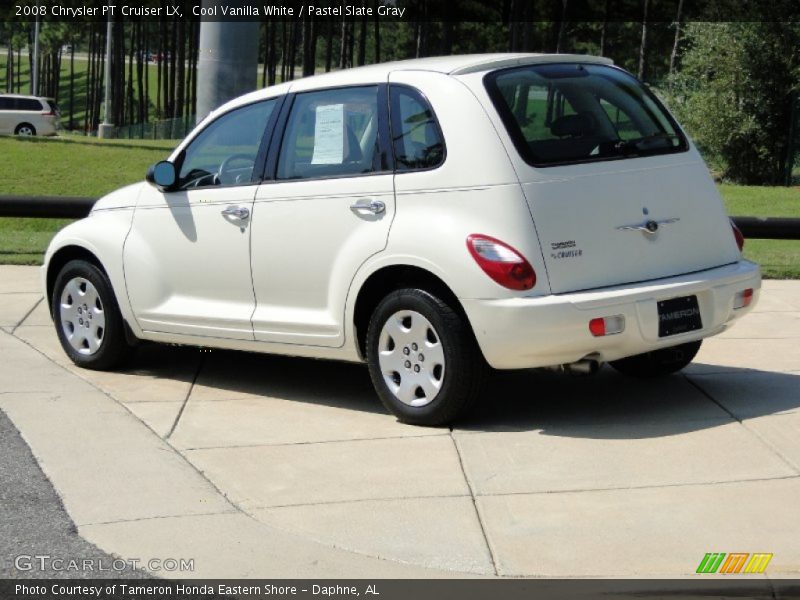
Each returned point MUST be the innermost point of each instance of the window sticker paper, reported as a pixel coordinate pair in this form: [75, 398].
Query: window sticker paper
[329, 135]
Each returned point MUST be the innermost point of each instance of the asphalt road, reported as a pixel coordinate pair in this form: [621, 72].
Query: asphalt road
[33, 521]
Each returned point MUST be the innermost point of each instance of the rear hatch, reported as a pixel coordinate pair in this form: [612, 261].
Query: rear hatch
[615, 190]
[593, 228]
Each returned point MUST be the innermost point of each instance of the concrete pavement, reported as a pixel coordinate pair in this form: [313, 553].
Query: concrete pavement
[267, 466]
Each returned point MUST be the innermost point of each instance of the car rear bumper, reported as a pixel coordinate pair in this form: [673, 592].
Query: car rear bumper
[550, 330]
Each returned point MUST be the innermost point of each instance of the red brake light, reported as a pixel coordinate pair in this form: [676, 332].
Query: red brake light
[597, 327]
[501, 262]
[737, 234]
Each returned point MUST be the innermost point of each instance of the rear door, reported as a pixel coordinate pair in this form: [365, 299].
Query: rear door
[614, 189]
[326, 210]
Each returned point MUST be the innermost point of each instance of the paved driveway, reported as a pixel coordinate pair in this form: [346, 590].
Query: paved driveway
[554, 475]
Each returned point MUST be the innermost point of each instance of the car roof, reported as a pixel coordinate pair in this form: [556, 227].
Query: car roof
[459, 64]
[27, 96]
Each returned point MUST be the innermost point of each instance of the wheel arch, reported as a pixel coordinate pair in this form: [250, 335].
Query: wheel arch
[390, 278]
[60, 258]
[23, 124]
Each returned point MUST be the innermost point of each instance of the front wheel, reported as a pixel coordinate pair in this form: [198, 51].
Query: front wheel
[87, 318]
[658, 362]
[423, 359]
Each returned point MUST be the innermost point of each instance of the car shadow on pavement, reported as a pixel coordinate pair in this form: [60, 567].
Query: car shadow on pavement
[606, 405]
[609, 405]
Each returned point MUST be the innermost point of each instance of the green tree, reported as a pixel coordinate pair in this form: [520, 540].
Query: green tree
[734, 94]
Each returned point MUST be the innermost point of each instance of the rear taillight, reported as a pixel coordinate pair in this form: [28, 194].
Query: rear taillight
[49, 113]
[737, 234]
[501, 262]
[603, 326]
[743, 299]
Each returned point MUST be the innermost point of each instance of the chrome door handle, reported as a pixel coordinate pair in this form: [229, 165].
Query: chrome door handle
[376, 207]
[237, 212]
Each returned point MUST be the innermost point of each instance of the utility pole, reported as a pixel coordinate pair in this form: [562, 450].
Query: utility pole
[106, 129]
[228, 61]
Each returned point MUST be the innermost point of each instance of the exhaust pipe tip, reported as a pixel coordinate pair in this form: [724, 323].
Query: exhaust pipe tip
[583, 367]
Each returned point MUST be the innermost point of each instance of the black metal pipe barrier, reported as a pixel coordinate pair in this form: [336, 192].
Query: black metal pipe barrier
[65, 207]
[46, 207]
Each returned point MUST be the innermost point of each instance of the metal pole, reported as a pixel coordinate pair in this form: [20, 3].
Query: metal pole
[35, 74]
[106, 129]
[228, 60]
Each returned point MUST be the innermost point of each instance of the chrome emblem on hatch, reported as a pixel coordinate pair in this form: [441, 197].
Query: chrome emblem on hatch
[650, 226]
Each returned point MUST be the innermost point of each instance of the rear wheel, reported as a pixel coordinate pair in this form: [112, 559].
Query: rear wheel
[658, 362]
[87, 318]
[423, 360]
[25, 129]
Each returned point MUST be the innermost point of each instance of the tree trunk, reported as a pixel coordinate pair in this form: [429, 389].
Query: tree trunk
[309, 47]
[562, 25]
[146, 61]
[10, 67]
[72, 85]
[377, 38]
[674, 54]
[100, 79]
[272, 60]
[180, 86]
[19, 68]
[362, 46]
[343, 46]
[329, 47]
[131, 104]
[643, 47]
[173, 74]
[604, 29]
[159, 69]
[140, 57]
[265, 67]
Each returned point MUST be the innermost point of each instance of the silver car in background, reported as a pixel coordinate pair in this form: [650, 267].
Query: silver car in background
[28, 115]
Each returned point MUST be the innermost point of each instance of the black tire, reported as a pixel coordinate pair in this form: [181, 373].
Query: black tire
[25, 127]
[113, 347]
[464, 369]
[658, 362]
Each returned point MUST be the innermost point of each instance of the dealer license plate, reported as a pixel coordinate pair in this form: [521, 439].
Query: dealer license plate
[678, 315]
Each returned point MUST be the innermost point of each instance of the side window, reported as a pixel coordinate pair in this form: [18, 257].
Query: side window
[416, 137]
[225, 152]
[6, 104]
[331, 133]
[29, 104]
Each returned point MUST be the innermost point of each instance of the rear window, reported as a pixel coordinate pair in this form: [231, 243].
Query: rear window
[570, 113]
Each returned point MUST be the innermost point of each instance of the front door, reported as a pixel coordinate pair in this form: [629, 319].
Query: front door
[187, 257]
[327, 210]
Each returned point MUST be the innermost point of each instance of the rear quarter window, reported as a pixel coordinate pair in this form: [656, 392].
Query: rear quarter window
[570, 113]
[417, 140]
[27, 104]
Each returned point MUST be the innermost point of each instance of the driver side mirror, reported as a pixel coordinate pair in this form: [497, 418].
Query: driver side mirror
[162, 175]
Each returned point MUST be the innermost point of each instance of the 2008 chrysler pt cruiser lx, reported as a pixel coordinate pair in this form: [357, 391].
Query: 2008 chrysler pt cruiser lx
[433, 217]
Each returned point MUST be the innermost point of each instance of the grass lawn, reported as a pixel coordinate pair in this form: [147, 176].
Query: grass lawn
[81, 166]
[77, 166]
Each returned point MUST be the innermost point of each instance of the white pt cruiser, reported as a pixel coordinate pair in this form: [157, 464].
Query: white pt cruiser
[434, 218]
